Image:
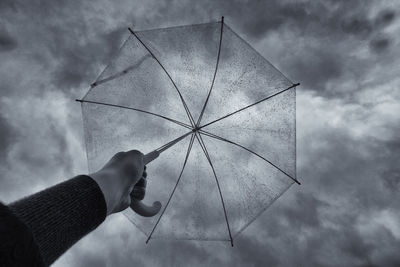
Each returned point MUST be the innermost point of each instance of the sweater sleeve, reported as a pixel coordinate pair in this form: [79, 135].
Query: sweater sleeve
[61, 215]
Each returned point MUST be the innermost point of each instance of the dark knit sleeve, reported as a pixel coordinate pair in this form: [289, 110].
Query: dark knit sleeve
[61, 215]
[17, 247]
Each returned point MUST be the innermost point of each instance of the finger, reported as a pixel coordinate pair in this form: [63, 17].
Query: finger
[144, 175]
[138, 192]
[136, 156]
[141, 183]
[135, 153]
[119, 155]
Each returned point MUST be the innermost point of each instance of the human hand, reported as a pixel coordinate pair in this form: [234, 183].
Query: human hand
[118, 177]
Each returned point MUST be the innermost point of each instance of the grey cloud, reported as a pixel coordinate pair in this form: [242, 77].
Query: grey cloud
[306, 212]
[391, 173]
[7, 136]
[93, 260]
[392, 179]
[40, 155]
[255, 254]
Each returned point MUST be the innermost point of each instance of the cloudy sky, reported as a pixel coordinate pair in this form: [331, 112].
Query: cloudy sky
[344, 54]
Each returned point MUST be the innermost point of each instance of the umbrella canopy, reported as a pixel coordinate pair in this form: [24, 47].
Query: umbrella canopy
[235, 111]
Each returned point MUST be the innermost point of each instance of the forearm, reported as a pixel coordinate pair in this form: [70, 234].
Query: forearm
[61, 215]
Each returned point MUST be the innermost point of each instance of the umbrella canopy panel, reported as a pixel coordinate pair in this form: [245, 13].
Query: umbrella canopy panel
[240, 110]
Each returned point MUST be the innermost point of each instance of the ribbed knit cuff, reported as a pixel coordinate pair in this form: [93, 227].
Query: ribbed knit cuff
[61, 215]
[17, 247]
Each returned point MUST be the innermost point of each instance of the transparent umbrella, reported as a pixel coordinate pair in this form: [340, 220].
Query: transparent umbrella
[222, 118]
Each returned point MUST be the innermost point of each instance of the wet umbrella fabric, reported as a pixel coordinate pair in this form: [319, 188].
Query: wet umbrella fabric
[236, 111]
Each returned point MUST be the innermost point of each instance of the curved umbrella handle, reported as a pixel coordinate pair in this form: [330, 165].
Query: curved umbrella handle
[139, 190]
[144, 210]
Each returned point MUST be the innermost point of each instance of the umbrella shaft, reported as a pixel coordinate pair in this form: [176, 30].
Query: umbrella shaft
[149, 157]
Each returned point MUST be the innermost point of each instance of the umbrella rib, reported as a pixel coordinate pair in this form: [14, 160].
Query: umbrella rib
[204, 148]
[135, 109]
[173, 190]
[248, 106]
[215, 74]
[169, 76]
[248, 150]
[121, 73]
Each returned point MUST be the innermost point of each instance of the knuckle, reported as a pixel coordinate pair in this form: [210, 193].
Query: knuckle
[135, 153]
[119, 155]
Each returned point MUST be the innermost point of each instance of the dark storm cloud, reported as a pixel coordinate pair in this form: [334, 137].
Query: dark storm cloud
[384, 18]
[310, 18]
[355, 25]
[315, 226]
[7, 4]
[380, 44]
[58, 34]
[78, 63]
[330, 22]
[7, 42]
[316, 67]
[359, 167]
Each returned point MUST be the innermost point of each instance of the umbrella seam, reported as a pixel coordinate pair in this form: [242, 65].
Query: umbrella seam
[248, 106]
[138, 110]
[173, 190]
[169, 76]
[204, 148]
[215, 74]
[249, 150]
